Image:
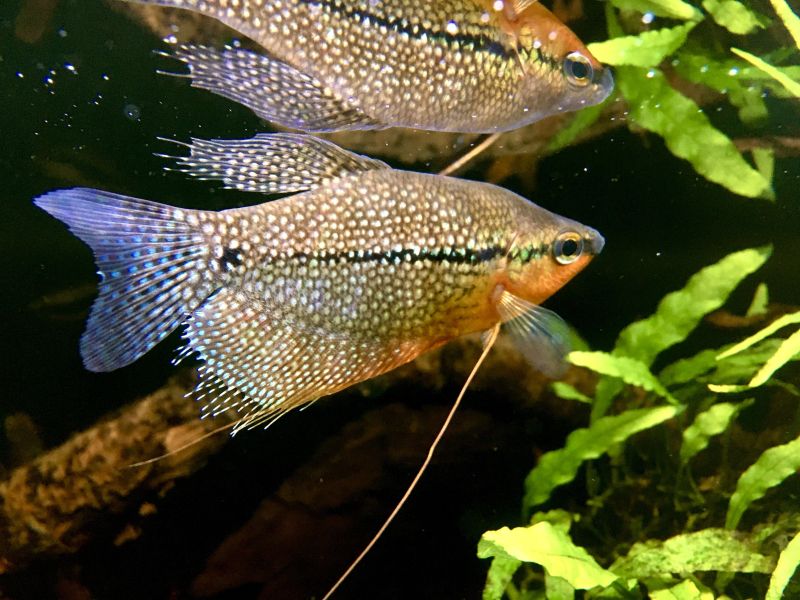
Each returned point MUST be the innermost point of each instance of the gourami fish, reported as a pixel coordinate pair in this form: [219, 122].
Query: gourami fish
[478, 66]
[294, 299]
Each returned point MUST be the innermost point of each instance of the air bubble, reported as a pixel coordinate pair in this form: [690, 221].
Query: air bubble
[132, 112]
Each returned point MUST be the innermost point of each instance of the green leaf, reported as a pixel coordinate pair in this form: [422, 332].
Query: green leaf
[788, 350]
[733, 16]
[760, 302]
[629, 370]
[790, 20]
[787, 565]
[549, 547]
[705, 550]
[743, 366]
[557, 517]
[658, 107]
[558, 588]
[647, 49]
[673, 9]
[771, 468]
[707, 424]
[765, 164]
[560, 466]
[567, 392]
[679, 312]
[730, 75]
[685, 590]
[791, 86]
[677, 315]
[686, 370]
[500, 574]
[773, 327]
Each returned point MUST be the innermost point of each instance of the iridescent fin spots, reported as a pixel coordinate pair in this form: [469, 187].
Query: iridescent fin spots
[262, 360]
[540, 334]
[273, 163]
[149, 259]
[272, 89]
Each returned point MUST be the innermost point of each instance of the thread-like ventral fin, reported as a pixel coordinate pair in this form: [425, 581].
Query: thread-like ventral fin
[262, 359]
[273, 163]
[272, 89]
[540, 334]
[149, 258]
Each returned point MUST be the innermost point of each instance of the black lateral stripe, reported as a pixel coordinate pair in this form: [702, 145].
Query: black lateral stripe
[478, 42]
[443, 255]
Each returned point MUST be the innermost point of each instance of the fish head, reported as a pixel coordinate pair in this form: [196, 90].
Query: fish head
[559, 72]
[548, 251]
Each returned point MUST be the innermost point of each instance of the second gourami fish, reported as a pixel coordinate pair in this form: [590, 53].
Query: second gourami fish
[291, 300]
[447, 65]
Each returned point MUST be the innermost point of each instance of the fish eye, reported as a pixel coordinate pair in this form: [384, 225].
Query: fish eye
[568, 247]
[578, 69]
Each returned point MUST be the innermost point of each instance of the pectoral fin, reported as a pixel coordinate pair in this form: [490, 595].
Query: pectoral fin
[540, 334]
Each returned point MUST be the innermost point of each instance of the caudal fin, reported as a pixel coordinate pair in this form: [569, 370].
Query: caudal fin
[149, 258]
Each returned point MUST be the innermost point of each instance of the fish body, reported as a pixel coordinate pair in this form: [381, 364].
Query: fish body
[445, 65]
[291, 300]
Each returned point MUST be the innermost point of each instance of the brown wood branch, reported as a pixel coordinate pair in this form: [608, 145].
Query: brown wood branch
[52, 504]
[783, 146]
[85, 488]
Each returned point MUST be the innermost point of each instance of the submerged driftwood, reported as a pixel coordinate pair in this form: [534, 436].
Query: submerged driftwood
[59, 501]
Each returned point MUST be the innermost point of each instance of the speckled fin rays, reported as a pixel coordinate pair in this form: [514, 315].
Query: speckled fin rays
[468, 66]
[286, 162]
[277, 360]
[273, 90]
[272, 163]
[150, 256]
[144, 257]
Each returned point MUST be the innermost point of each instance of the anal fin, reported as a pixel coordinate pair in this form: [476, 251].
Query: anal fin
[261, 360]
[274, 90]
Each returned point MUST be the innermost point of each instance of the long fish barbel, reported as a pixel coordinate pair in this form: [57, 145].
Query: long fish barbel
[479, 66]
[295, 299]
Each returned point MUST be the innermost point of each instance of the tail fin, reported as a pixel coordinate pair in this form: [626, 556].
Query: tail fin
[149, 257]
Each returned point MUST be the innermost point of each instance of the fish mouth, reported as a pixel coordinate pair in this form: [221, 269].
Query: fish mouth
[594, 242]
[602, 84]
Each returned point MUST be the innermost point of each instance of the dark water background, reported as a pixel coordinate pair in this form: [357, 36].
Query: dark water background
[83, 106]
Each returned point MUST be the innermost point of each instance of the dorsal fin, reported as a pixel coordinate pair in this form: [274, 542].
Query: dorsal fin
[274, 90]
[273, 163]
